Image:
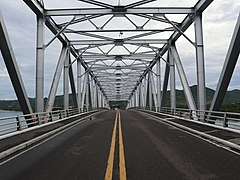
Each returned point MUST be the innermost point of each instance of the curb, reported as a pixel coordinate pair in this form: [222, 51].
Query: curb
[39, 138]
[207, 136]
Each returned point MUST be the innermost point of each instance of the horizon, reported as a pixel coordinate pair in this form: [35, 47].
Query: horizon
[126, 100]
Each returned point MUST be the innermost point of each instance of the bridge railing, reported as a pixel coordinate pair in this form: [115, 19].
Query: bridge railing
[224, 119]
[21, 122]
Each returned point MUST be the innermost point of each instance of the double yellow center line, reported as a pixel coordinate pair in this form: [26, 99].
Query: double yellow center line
[122, 167]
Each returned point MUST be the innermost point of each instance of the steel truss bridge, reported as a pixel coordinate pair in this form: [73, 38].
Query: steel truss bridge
[121, 49]
[120, 52]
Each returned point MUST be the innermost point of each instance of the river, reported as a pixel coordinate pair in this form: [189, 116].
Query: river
[5, 113]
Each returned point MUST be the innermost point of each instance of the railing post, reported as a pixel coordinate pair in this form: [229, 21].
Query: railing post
[225, 121]
[38, 119]
[50, 117]
[190, 114]
[60, 114]
[67, 112]
[204, 116]
[19, 125]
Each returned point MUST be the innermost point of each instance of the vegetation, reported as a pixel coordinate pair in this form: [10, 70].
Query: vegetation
[13, 105]
[118, 104]
[231, 101]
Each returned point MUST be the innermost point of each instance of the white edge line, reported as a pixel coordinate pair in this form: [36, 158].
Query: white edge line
[224, 142]
[39, 138]
[197, 122]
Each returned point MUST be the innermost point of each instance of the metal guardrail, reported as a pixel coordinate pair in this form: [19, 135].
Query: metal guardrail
[224, 119]
[21, 122]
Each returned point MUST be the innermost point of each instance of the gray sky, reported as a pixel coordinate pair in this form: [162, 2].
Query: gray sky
[218, 24]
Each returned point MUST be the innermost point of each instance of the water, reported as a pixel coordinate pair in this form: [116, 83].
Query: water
[5, 113]
[9, 124]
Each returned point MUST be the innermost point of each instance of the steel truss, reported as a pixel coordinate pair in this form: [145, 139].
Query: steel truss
[119, 63]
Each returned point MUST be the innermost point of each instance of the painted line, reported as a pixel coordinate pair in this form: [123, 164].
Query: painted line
[109, 170]
[206, 137]
[122, 166]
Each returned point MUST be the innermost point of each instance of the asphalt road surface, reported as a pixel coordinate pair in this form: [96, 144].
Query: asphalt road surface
[125, 145]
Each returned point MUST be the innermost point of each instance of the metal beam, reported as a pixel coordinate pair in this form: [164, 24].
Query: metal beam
[38, 10]
[97, 3]
[138, 3]
[36, 7]
[72, 85]
[188, 20]
[200, 63]
[183, 78]
[66, 81]
[172, 80]
[118, 42]
[228, 68]
[39, 104]
[165, 82]
[158, 74]
[12, 67]
[154, 91]
[103, 11]
[56, 78]
[79, 83]
[118, 30]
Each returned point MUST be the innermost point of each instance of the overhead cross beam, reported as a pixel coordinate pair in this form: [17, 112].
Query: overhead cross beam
[103, 11]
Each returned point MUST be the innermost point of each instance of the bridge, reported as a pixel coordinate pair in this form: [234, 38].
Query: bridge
[123, 120]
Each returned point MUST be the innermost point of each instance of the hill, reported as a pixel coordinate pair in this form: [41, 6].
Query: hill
[231, 101]
[14, 104]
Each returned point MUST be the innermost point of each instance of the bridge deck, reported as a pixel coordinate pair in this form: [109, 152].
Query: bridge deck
[153, 150]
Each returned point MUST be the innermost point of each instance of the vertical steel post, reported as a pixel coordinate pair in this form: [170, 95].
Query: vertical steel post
[66, 81]
[102, 100]
[153, 91]
[84, 91]
[133, 101]
[95, 95]
[140, 95]
[135, 98]
[158, 69]
[79, 83]
[99, 98]
[91, 91]
[39, 101]
[172, 81]
[200, 62]
[87, 92]
[145, 91]
[150, 91]
[72, 84]
[165, 82]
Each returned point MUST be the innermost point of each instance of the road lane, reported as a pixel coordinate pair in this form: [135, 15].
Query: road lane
[155, 150]
[80, 153]
[152, 150]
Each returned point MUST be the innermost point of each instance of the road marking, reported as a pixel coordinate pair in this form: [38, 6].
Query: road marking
[122, 164]
[109, 170]
[122, 167]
